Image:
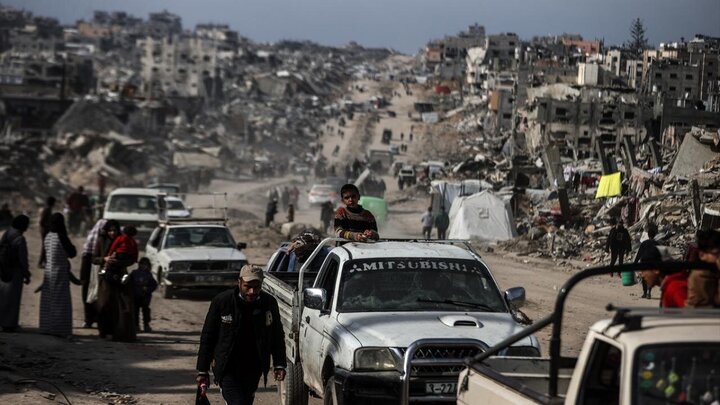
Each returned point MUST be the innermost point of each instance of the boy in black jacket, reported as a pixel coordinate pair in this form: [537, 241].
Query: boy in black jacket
[618, 243]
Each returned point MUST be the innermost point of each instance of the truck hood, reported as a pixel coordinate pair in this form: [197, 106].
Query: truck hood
[400, 329]
[203, 254]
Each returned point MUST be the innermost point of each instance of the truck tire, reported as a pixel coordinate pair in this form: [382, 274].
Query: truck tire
[293, 391]
[330, 396]
[168, 291]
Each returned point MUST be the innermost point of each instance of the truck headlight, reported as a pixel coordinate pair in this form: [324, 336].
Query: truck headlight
[375, 358]
[180, 266]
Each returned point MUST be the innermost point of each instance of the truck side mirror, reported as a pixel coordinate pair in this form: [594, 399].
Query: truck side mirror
[241, 245]
[315, 298]
[515, 296]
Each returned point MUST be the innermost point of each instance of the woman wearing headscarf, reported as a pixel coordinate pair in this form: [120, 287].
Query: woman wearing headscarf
[55, 303]
[17, 273]
[115, 300]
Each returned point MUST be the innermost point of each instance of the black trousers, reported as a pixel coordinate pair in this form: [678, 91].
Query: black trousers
[239, 390]
[90, 310]
[441, 233]
[617, 255]
[142, 304]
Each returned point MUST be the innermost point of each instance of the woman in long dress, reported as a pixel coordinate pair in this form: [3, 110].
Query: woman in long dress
[55, 303]
[11, 291]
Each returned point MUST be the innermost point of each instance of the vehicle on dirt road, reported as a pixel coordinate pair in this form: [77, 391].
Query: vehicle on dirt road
[407, 176]
[640, 356]
[380, 160]
[176, 207]
[194, 255]
[322, 193]
[139, 207]
[387, 317]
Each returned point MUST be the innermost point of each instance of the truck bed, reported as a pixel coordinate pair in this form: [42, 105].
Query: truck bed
[511, 380]
[283, 285]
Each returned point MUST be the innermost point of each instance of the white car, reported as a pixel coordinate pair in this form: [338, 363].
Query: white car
[197, 255]
[322, 193]
[176, 208]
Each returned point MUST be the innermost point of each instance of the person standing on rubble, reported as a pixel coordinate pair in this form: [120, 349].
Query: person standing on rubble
[618, 243]
[295, 196]
[648, 253]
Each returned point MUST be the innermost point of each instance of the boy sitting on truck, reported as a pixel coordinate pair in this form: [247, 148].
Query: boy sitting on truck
[353, 222]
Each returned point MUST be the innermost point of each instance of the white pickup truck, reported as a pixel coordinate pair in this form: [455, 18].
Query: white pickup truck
[642, 356]
[390, 321]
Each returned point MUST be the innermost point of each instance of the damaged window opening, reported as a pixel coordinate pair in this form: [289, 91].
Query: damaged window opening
[400, 284]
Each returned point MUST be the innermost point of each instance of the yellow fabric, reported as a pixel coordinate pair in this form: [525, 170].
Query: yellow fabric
[609, 185]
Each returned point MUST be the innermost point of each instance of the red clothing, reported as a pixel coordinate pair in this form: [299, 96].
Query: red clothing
[674, 290]
[126, 245]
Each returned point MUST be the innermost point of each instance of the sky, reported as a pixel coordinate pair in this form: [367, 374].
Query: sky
[406, 25]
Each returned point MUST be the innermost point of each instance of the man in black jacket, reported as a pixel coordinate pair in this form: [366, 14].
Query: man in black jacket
[648, 253]
[242, 330]
[618, 242]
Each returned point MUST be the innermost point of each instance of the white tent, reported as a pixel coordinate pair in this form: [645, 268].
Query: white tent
[482, 216]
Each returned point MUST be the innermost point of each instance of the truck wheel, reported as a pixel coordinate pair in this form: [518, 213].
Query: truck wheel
[330, 396]
[293, 391]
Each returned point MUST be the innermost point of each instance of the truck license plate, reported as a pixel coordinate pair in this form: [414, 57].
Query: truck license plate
[440, 388]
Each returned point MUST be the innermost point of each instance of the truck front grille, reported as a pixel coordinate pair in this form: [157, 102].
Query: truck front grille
[203, 266]
[458, 353]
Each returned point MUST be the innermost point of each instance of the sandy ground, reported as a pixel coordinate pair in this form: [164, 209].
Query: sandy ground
[159, 368]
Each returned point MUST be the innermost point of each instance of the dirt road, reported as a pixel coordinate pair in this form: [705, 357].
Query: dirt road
[159, 368]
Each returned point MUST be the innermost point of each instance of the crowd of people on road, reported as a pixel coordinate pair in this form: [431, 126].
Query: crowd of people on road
[112, 297]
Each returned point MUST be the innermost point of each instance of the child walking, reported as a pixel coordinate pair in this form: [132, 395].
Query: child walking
[143, 284]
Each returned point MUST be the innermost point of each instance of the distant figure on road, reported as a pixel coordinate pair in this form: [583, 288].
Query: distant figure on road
[6, 216]
[442, 222]
[648, 253]
[353, 221]
[326, 215]
[270, 212]
[78, 204]
[16, 273]
[242, 331]
[285, 197]
[618, 242]
[291, 213]
[427, 223]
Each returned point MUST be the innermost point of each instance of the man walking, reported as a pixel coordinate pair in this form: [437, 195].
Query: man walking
[16, 272]
[618, 242]
[270, 212]
[78, 204]
[427, 223]
[242, 331]
[442, 222]
[648, 253]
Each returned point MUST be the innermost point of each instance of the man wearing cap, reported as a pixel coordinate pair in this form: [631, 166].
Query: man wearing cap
[241, 331]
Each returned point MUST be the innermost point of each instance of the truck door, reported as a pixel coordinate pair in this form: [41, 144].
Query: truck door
[312, 325]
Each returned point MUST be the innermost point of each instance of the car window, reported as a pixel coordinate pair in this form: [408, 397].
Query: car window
[133, 203]
[328, 276]
[156, 237]
[175, 205]
[601, 382]
[676, 373]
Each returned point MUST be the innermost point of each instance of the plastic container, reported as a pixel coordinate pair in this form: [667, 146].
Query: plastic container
[628, 278]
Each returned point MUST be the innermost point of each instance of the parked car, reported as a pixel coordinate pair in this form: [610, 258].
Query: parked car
[380, 319]
[407, 176]
[196, 255]
[176, 207]
[322, 193]
[394, 149]
[171, 188]
[386, 136]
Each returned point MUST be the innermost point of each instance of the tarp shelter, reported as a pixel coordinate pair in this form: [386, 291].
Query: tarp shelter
[610, 185]
[482, 216]
[691, 157]
[444, 193]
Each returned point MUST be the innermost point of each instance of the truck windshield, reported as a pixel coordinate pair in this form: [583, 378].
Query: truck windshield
[686, 373]
[417, 284]
[198, 236]
[133, 203]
